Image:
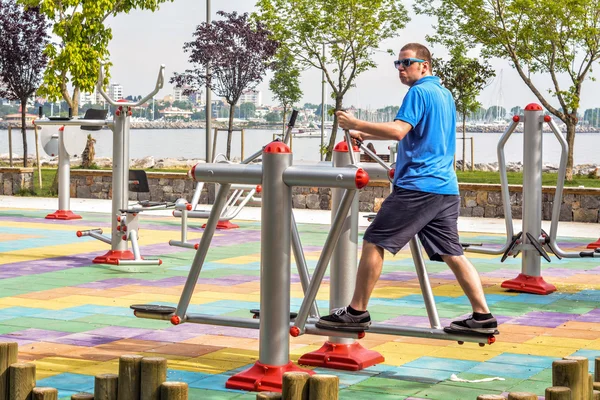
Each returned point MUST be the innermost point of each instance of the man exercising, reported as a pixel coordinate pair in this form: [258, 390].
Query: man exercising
[425, 199]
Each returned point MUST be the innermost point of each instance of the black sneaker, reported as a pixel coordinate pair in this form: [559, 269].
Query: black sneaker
[485, 327]
[341, 319]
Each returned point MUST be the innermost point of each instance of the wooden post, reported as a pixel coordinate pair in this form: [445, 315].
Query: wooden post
[568, 373]
[472, 156]
[490, 397]
[324, 387]
[243, 142]
[295, 386]
[597, 369]
[590, 386]
[174, 391]
[596, 395]
[558, 393]
[585, 390]
[10, 145]
[44, 393]
[129, 377]
[37, 155]
[522, 396]
[8, 356]
[596, 385]
[82, 396]
[21, 378]
[268, 396]
[153, 374]
[106, 387]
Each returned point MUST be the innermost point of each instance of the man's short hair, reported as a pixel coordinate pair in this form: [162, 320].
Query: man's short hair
[421, 51]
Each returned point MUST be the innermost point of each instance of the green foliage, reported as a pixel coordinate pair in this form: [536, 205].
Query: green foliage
[247, 110]
[83, 37]
[285, 83]
[351, 30]
[273, 116]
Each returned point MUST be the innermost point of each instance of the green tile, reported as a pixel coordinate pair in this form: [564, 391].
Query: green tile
[9, 328]
[537, 387]
[204, 394]
[443, 391]
[493, 385]
[390, 386]
[544, 376]
[362, 395]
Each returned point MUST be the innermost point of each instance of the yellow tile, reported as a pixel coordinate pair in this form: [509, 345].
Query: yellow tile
[448, 290]
[497, 289]
[219, 341]
[35, 303]
[467, 353]
[62, 364]
[149, 298]
[394, 292]
[532, 349]
[240, 259]
[100, 301]
[42, 373]
[233, 354]
[406, 348]
[554, 341]
[593, 345]
[206, 365]
[108, 367]
[397, 359]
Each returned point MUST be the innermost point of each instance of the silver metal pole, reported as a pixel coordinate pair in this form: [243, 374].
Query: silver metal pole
[322, 107]
[275, 260]
[64, 174]
[301, 265]
[208, 108]
[117, 243]
[417, 255]
[532, 189]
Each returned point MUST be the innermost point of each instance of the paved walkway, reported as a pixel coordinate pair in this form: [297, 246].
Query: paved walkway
[72, 318]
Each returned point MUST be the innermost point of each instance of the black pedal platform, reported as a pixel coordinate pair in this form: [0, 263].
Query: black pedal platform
[538, 247]
[256, 314]
[467, 245]
[491, 338]
[513, 244]
[153, 309]
[342, 329]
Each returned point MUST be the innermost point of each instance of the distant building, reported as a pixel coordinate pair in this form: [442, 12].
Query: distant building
[198, 98]
[115, 91]
[88, 98]
[251, 96]
[174, 112]
[15, 119]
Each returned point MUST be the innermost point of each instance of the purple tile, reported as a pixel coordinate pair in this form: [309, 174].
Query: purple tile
[399, 276]
[83, 339]
[543, 318]
[20, 342]
[111, 283]
[37, 335]
[166, 336]
[119, 332]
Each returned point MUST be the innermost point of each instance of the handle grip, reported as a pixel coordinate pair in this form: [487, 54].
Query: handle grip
[293, 118]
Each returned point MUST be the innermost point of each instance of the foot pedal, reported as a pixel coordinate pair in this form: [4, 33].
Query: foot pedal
[467, 245]
[538, 247]
[370, 217]
[153, 309]
[256, 314]
[342, 328]
[513, 244]
[489, 336]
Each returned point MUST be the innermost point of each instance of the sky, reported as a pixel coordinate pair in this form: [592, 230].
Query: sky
[143, 40]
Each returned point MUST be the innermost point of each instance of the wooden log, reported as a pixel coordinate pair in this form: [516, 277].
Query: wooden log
[295, 386]
[21, 378]
[44, 393]
[8, 356]
[129, 377]
[558, 393]
[596, 385]
[590, 386]
[82, 396]
[584, 363]
[153, 374]
[596, 395]
[268, 396]
[522, 396]
[490, 397]
[174, 391]
[324, 387]
[597, 369]
[568, 373]
[106, 387]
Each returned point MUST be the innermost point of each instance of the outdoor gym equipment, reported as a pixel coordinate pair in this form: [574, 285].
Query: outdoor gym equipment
[341, 290]
[533, 242]
[277, 176]
[66, 142]
[124, 219]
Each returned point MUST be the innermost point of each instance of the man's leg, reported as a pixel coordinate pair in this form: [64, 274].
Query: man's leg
[469, 281]
[369, 270]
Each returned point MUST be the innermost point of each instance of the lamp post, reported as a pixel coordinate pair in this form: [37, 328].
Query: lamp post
[322, 106]
[208, 108]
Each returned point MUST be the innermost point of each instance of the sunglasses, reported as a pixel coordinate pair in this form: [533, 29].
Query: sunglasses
[406, 62]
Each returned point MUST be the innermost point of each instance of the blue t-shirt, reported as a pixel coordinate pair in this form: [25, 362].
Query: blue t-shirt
[426, 154]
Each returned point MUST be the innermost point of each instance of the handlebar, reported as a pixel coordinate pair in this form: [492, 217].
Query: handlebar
[159, 85]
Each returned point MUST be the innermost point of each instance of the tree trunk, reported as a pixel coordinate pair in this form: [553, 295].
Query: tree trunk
[24, 129]
[571, 142]
[230, 130]
[464, 129]
[75, 105]
[284, 115]
[332, 138]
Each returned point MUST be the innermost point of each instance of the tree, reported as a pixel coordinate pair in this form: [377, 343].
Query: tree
[247, 110]
[350, 29]
[23, 38]
[495, 113]
[273, 116]
[285, 83]
[592, 117]
[465, 78]
[239, 53]
[516, 110]
[552, 37]
[74, 60]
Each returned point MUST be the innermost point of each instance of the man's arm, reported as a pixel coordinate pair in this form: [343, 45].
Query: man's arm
[373, 130]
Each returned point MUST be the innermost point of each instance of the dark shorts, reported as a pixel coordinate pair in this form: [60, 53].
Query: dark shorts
[406, 213]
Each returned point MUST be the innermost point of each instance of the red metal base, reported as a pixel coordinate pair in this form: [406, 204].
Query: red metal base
[63, 215]
[349, 357]
[594, 245]
[113, 257]
[529, 284]
[224, 225]
[262, 377]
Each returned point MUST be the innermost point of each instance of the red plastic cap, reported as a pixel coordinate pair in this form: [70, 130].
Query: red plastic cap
[175, 320]
[361, 334]
[61, 129]
[342, 147]
[516, 118]
[192, 172]
[276, 147]
[196, 246]
[547, 118]
[159, 262]
[79, 234]
[188, 207]
[491, 340]
[391, 173]
[258, 188]
[533, 107]
[361, 179]
[124, 237]
[294, 331]
[122, 101]
[118, 227]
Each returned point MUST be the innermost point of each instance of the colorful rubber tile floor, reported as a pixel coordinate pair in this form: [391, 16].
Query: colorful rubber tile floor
[72, 319]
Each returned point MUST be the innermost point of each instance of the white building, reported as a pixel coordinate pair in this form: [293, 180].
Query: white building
[251, 96]
[88, 98]
[115, 91]
[178, 94]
